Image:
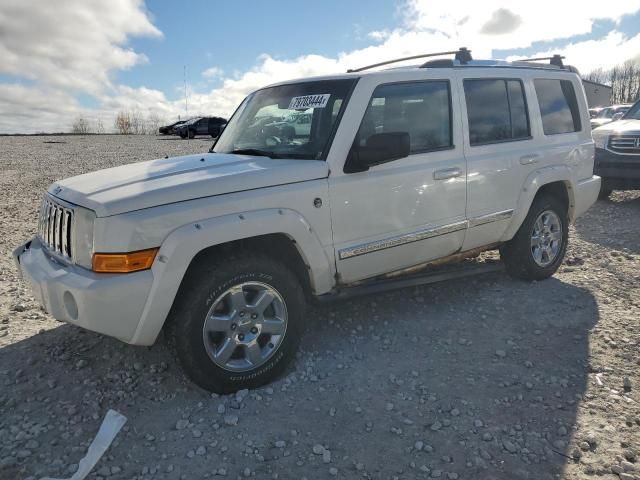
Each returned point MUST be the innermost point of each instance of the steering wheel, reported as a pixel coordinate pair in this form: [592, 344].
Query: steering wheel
[272, 141]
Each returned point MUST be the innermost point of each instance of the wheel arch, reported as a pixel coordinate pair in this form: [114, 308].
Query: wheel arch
[556, 181]
[282, 233]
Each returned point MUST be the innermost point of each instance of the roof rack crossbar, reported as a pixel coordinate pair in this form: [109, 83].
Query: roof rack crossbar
[462, 54]
[554, 60]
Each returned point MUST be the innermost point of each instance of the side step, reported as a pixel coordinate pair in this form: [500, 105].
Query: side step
[385, 285]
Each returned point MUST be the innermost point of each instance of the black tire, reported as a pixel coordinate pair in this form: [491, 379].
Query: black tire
[210, 278]
[517, 253]
[192, 134]
[183, 135]
[605, 193]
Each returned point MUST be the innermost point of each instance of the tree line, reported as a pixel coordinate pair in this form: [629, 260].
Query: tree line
[624, 80]
[126, 122]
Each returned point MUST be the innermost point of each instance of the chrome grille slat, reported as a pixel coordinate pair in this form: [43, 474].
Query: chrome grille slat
[625, 143]
[55, 227]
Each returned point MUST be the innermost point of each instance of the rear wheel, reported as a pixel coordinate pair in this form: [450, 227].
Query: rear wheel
[538, 248]
[237, 322]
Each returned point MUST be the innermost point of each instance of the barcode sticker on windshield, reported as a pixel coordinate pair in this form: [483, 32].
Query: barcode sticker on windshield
[309, 101]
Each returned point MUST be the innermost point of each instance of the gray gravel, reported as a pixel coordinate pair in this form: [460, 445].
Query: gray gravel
[485, 378]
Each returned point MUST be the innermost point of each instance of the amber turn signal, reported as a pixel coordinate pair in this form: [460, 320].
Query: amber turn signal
[123, 262]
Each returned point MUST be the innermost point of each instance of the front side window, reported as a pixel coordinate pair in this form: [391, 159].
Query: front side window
[496, 110]
[422, 109]
[558, 106]
[287, 121]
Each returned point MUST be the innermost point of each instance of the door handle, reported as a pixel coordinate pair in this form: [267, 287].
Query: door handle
[529, 159]
[447, 173]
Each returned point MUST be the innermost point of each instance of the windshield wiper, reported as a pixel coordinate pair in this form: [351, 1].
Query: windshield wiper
[252, 151]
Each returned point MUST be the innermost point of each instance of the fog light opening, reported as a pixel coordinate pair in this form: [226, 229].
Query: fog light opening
[70, 305]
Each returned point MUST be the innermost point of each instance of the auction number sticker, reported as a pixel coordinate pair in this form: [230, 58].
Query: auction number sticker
[309, 101]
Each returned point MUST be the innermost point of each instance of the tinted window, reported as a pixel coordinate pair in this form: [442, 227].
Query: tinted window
[420, 108]
[497, 111]
[558, 106]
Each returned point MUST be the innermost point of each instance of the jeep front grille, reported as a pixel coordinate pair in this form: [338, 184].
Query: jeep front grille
[625, 143]
[55, 227]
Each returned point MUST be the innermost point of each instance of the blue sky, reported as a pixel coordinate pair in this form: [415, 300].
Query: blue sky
[225, 36]
[91, 58]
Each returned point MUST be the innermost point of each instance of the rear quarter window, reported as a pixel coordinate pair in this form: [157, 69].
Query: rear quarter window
[496, 110]
[558, 106]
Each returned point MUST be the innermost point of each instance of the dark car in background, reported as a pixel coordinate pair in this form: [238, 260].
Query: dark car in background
[170, 129]
[617, 158]
[201, 126]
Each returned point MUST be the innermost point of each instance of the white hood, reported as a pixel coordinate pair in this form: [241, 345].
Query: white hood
[158, 182]
[620, 126]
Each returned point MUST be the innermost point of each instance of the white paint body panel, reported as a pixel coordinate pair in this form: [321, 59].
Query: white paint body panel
[169, 180]
[369, 223]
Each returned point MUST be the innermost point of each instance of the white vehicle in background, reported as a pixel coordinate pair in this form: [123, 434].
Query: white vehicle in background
[398, 168]
[609, 114]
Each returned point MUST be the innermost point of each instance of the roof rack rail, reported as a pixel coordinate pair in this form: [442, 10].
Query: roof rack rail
[463, 55]
[554, 60]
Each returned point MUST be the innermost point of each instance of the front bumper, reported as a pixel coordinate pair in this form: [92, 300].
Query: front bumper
[111, 304]
[618, 171]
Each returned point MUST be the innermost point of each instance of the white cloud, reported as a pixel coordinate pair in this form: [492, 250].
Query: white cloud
[79, 53]
[213, 72]
[71, 44]
[603, 53]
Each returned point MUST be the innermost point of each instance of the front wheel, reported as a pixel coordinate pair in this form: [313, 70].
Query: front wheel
[192, 134]
[538, 248]
[237, 322]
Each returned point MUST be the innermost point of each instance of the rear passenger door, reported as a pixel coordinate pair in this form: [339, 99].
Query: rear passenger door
[500, 149]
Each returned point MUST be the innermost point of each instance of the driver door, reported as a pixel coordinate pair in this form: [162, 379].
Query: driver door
[407, 211]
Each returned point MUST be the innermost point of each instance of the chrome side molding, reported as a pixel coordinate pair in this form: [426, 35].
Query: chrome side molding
[491, 217]
[424, 234]
[401, 240]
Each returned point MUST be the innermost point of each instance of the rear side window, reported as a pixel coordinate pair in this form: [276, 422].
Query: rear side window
[496, 110]
[558, 106]
[423, 109]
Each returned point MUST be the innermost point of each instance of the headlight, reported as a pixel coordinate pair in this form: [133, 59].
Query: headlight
[83, 236]
[600, 140]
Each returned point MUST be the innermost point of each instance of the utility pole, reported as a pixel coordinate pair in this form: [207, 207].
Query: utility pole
[186, 105]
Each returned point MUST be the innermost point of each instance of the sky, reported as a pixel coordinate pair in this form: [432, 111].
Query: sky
[62, 60]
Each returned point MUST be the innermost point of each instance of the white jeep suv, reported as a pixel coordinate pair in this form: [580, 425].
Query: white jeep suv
[399, 167]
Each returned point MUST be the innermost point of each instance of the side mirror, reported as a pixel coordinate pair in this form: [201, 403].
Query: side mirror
[617, 116]
[380, 148]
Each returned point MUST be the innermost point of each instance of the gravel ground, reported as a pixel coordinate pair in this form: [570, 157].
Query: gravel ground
[484, 378]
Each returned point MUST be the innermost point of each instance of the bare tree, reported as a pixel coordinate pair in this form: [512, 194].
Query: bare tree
[122, 123]
[98, 126]
[598, 76]
[624, 80]
[80, 126]
[138, 126]
[153, 123]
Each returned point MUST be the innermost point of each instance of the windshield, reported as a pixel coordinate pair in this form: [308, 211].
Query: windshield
[287, 121]
[634, 112]
[606, 113]
[192, 121]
